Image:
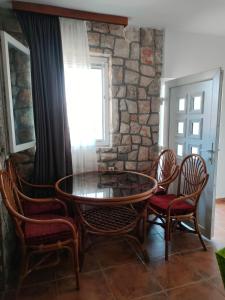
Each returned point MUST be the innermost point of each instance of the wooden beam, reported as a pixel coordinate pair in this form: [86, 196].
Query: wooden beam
[69, 13]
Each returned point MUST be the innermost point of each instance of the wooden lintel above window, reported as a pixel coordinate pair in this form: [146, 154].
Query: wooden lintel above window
[69, 13]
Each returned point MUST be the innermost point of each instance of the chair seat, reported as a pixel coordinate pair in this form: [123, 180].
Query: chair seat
[31, 209]
[37, 234]
[161, 202]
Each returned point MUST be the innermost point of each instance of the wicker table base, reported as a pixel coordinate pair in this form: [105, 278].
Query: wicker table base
[120, 221]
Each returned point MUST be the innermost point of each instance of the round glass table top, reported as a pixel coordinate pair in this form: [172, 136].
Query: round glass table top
[106, 185]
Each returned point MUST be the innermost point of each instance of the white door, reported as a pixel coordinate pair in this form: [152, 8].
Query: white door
[193, 127]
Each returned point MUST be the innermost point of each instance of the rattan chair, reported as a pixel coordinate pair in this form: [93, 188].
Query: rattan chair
[173, 209]
[40, 234]
[165, 170]
[31, 205]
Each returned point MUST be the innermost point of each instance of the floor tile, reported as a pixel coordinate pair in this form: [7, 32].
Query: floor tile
[131, 281]
[115, 253]
[92, 287]
[204, 262]
[200, 291]
[174, 272]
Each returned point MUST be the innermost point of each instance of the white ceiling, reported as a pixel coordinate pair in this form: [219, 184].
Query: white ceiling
[197, 16]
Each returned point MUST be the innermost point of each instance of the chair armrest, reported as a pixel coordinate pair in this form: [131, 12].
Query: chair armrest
[41, 186]
[39, 201]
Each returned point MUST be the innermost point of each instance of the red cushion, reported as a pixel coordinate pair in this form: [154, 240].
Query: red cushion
[161, 202]
[42, 208]
[37, 234]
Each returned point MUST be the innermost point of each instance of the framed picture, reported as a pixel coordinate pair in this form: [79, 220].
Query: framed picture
[19, 103]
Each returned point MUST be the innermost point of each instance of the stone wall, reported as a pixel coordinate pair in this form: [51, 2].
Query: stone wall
[136, 56]
[9, 23]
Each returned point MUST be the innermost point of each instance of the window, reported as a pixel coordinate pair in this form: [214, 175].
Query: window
[181, 104]
[99, 85]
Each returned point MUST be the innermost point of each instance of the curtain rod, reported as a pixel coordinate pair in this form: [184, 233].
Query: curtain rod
[69, 13]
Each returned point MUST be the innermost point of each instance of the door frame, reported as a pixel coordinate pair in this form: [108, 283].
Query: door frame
[216, 75]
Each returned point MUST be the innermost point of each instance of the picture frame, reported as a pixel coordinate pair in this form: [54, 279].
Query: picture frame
[18, 89]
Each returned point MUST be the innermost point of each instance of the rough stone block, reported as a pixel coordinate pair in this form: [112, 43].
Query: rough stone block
[116, 139]
[122, 156]
[155, 137]
[143, 119]
[115, 113]
[142, 93]
[117, 61]
[108, 51]
[132, 34]
[159, 42]
[118, 91]
[158, 57]
[142, 166]
[154, 119]
[117, 30]
[147, 37]
[108, 156]
[135, 51]
[145, 81]
[154, 87]
[155, 128]
[131, 165]
[107, 41]
[124, 149]
[147, 56]
[123, 105]
[135, 147]
[119, 166]
[96, 50]
[133, 117]
[134, 128]
[143, 153]
[124, 128]
[133, 155]
[145, 131]
[146, 141]
[147, 70]
[100, 27]
[126, 140]
[117, 75]
[155, 104]
[132, 106]
[131, 92]
[144, 106]
[93, 38]
[132, 65]
[125, 117]
[131, 77]
[121, 48]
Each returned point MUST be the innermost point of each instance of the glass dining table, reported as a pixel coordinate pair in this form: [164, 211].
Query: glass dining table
[110, 203]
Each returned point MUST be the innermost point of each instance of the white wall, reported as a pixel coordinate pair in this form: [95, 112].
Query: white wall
[186, 54]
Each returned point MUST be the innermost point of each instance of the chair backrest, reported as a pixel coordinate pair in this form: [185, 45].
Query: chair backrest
[11, 169]
[166, 163]
[192, 176]
[11, 200]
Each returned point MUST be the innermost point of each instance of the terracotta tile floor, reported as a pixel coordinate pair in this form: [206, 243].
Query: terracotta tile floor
[112, 271]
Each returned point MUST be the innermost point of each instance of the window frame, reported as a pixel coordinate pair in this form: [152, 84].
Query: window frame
[102, 62]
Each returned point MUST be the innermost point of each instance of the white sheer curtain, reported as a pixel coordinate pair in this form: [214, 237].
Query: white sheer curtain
[80, 108]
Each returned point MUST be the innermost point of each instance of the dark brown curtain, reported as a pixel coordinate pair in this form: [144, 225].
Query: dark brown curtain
[53, 151]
